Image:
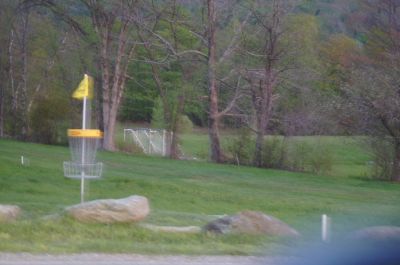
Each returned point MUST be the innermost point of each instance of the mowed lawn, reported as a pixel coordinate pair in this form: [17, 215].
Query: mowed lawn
[184, 193]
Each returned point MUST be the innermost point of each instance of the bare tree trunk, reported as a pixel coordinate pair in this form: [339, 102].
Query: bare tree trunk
[263, 81]
[105, 84]
[174, 150]
[14, 94]
[2, 100]
[19, 87]
[174, 153]
[109, 128]
[24, 90]
[396, 162]
[116, 50]
[258, 157]
[214, 117]
[263, 116]
[1, 111]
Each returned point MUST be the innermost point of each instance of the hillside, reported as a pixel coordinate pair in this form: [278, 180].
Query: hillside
[180, 193]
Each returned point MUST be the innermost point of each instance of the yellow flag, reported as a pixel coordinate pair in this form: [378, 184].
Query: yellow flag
[85, 88]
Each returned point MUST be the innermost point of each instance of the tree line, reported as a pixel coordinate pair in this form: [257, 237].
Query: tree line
[296, 67]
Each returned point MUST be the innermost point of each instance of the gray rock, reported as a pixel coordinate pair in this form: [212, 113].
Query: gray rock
[250, 222]
[126, 210]
[377, 233]
[9, 213]
[173, 229]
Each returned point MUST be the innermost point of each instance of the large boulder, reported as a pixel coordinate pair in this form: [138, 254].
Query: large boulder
[126, 210]
[9, 213]
[250, 222]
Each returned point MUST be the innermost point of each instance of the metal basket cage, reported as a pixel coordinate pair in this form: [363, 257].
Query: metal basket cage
[77, 170]
[83, 150]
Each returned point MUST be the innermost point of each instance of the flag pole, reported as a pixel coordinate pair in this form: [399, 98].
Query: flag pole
[83, 149]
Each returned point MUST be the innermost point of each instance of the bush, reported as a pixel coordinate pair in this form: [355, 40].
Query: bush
[289, 153]
[185, 125]
[48, 120]
[311, 157]
[128, 147]
[320, 159]
[298, 155]
[157, 117]
[274, 153]
[382, 155]
[240, 148]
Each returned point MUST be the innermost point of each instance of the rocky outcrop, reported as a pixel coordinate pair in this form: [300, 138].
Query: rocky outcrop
[9, 213]
[127, 210]
[250, 222]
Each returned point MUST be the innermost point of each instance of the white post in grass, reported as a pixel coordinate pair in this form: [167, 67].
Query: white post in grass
[326, 228]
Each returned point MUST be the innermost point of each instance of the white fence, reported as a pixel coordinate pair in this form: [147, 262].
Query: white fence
[152, 142]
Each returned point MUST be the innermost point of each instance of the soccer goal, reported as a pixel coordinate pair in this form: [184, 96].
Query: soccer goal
[151, 141]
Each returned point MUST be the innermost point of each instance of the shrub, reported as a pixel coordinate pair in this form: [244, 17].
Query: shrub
[312, 157]
[320, 159]
[274, 153]
[382, 155]
[240, 148]
[185, 125]
[298, 155]
[48, 120]
[128, 147]
[157, 117]
[290, 153]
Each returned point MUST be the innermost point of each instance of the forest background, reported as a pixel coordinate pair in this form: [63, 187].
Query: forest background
[255, 67]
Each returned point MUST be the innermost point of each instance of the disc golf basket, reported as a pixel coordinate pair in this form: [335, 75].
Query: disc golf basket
[83, 143]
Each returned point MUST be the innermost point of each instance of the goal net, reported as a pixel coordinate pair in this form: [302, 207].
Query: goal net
[151, 141]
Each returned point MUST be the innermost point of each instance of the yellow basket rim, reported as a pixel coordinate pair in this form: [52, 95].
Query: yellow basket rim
[85, 133]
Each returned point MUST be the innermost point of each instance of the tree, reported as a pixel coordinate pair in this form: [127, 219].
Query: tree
[113, 24]
[164, 60]
[33, 43]
[216, 77]
[299, 110]
[7, 10]
[265, 64]
[374, 91]
[214, 58]
[18, 71]
[338, 54]
[213, 117]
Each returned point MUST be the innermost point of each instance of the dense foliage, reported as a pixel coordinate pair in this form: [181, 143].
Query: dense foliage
[300, 67]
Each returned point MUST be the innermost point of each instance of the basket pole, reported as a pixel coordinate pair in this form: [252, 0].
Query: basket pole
[83, 150]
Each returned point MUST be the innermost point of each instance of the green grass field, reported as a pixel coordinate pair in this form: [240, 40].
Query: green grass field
[186, 193]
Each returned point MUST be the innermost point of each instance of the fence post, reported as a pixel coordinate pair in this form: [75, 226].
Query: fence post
[163, 143]
[326, 227]
[149, 142]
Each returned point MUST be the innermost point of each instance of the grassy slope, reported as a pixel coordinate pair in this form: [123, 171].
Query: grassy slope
[181, 193]
[349, 158]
